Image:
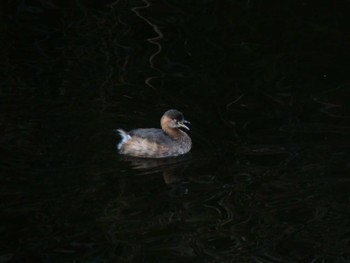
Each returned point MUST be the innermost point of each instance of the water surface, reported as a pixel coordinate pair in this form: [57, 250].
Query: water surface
[265, 88]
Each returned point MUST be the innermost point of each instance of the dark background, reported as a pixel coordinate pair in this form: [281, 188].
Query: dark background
[265, 85]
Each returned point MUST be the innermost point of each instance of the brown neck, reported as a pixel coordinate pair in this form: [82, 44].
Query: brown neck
[165, 124]
[172, 132]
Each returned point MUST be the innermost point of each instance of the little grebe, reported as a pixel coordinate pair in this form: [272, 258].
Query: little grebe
[157, 143]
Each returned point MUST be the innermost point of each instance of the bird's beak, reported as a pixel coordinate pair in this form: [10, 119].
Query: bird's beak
[183, 125]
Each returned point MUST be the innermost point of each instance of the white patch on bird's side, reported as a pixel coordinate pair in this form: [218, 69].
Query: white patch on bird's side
[125, 138]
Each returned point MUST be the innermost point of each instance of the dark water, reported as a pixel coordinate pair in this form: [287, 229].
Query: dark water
[265, 86]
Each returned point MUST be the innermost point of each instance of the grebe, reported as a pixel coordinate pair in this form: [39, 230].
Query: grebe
[157, 143]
